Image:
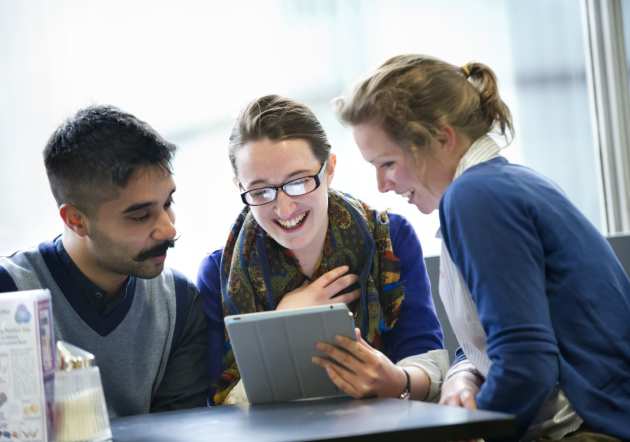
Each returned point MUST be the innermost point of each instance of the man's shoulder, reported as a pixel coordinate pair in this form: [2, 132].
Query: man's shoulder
[188, 312]
[7, 284]
[172, 290]
[183, 284]
[25, 257]
[18, 255]
[17, 271]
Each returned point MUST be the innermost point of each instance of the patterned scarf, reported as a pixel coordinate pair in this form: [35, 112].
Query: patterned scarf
[256, 272]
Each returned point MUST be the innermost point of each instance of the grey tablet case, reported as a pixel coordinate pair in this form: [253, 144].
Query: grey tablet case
[273, 351]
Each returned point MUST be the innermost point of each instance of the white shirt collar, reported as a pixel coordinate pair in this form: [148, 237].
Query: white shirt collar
[482, 150]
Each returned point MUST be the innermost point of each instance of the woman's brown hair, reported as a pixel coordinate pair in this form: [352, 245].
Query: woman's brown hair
[278, 118]
[411, 96]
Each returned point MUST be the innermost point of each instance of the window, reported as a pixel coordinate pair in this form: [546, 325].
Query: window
[187, 68]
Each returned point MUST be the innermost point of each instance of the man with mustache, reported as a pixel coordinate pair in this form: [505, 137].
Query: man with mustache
[111, 176]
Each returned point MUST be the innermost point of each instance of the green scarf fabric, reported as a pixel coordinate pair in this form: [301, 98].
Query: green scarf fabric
[256, 272]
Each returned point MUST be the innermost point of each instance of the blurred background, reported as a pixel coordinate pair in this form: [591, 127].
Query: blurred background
[187, 67]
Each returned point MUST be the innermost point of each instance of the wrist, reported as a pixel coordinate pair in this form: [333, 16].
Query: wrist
[406, 391]
[288, 302]
[462, 381]
[465, 372]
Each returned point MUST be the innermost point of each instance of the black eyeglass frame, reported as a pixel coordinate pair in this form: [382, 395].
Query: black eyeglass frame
[316, 177]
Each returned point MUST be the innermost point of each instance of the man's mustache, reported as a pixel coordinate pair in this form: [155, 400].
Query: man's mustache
[158, 250]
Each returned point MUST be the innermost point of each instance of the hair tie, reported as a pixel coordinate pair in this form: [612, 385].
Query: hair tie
[466, 70]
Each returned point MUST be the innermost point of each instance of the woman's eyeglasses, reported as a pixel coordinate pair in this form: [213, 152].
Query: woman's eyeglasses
[296, 187]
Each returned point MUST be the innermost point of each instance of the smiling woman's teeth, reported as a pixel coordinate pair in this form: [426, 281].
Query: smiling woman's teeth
[289, 223]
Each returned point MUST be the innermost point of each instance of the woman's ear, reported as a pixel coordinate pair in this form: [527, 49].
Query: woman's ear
[330, 168]
[447, 138]
[74, 218]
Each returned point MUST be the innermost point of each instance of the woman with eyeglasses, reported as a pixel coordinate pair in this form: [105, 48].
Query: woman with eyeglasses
[312, 243]
[537, 299]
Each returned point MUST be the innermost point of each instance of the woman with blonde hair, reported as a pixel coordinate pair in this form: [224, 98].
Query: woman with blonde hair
[536, 297]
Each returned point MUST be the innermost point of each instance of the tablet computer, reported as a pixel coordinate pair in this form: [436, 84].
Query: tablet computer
[273, 351]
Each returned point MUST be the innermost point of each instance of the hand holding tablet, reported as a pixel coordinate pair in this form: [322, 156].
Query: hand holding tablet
[274, 351]
[360, 370]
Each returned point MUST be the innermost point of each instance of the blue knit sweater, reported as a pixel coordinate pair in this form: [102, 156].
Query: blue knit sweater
[551, 295]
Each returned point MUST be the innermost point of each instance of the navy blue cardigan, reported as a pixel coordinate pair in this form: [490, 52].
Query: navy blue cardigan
[551, 295]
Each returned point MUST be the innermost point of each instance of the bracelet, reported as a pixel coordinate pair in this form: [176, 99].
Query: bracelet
[406, 394]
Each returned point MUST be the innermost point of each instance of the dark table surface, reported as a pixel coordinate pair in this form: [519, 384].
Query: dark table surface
[340, 418]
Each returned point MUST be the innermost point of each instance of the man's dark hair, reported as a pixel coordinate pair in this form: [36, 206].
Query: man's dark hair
[95, 152]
